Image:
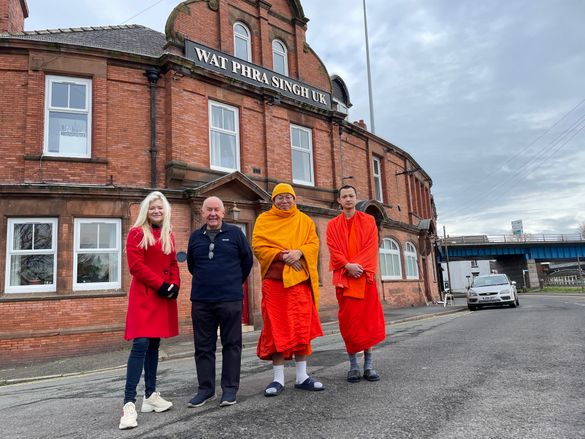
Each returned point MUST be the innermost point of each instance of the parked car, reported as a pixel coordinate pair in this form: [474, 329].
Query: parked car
[492, 289]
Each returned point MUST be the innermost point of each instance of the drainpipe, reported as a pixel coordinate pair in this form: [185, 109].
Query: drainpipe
[153, 75]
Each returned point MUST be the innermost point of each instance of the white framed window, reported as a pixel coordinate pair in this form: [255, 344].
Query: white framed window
[390, 260]
[411, 261]
[242, 42]
[31, 255]
[97, 258]
[279, 57]
[67, 117]
[224, 137]
[301, 142]
[377, 171]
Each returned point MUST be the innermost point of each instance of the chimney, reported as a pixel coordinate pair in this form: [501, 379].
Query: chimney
[12, 15]
[360, 123]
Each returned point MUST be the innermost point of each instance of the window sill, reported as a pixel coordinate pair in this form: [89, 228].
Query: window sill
[303, 183]
[34, 297]
[50, 158]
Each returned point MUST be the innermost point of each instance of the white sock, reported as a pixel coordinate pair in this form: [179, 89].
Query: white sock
[278, 377]
[301, 367]
[278, 374]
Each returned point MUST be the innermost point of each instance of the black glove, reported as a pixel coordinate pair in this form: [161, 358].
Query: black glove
[168, 291]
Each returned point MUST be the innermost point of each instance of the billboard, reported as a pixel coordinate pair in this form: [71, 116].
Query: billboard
[517, 228]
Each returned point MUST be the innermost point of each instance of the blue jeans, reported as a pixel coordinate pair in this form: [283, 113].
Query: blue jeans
[144, 355]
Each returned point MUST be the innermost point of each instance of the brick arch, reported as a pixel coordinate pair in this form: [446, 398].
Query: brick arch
[374, 208]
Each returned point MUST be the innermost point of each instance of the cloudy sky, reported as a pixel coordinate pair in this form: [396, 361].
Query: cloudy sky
[488, 97]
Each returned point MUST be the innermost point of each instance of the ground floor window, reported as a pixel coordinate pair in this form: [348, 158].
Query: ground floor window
[411, 262]
[97, 257]
[31, 249]
[390, 260]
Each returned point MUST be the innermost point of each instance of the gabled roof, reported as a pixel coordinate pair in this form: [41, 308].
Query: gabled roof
[231, 185]
[134, 38]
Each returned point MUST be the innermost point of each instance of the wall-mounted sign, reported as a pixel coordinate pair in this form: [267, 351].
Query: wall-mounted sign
[236, 68]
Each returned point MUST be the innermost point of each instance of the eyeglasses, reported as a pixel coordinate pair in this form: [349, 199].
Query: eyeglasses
[281, 197]
[211, 248]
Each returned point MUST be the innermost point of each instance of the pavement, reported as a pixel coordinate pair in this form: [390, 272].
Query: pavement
[182, 347]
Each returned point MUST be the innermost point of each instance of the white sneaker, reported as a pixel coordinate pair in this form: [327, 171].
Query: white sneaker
[155, 403]
[129, 416]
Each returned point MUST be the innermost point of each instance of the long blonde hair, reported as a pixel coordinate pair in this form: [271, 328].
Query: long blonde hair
[142, 222]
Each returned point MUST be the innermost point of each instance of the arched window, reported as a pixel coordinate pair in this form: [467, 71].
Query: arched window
[390, 260]
[411, 264]
[242, 42]
[279, 57]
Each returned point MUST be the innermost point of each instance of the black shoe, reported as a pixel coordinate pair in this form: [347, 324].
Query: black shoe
[371, 375]
[227, 399]
[200, 399]
[353, 376]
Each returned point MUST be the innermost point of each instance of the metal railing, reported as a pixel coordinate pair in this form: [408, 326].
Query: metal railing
[527, 237]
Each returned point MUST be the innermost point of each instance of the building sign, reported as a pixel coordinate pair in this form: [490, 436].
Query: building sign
[236, 68]
[517, 229]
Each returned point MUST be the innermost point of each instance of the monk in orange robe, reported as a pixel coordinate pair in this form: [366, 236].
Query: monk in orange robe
[286, 244]
[352, 239]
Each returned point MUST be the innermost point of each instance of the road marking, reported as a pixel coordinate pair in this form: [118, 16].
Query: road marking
[574, 303]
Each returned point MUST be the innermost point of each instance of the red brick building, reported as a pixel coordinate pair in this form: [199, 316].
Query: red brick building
[228, 101]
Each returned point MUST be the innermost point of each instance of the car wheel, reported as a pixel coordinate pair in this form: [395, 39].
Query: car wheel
[514, 302]
[471, 307]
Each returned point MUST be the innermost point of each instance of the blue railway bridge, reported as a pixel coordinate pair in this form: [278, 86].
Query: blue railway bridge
[521, 257]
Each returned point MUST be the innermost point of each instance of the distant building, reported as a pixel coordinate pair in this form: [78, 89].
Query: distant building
[463, 272]
[229, 101]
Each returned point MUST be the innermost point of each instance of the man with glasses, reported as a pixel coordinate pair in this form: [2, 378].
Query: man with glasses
[219, 259]
[286, 244]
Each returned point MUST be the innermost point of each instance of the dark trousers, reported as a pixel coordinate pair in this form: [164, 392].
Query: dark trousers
[144, 355]
[207, 317]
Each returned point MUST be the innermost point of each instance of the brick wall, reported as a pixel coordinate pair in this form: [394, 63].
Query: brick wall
[12, 15]
[112, 182]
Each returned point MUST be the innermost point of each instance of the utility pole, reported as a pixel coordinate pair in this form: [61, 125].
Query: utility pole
[372, 123]
[580, 275]
[447, 258]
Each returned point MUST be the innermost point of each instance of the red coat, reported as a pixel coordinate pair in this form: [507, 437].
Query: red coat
[148, 314]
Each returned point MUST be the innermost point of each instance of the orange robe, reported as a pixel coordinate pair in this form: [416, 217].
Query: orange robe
[361, 319]
[289, 307]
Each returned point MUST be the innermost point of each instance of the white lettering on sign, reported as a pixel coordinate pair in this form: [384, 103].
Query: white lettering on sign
[213, 59]
[291, 87]
[233, 67]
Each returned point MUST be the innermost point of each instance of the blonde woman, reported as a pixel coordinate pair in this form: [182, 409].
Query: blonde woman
[152, 310]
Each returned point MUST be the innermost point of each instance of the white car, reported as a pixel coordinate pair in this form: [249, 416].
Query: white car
[492, 289]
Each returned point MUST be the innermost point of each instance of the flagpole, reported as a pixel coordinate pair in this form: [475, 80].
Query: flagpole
[372, 123]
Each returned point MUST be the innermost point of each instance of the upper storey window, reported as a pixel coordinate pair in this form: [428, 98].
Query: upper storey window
[242, 42]
[67, 117]
[224, 137]
[377, 171]
[279, 57]
[302, 155]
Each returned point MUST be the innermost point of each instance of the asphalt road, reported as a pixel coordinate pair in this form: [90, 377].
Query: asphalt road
[494, 373]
